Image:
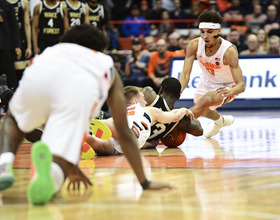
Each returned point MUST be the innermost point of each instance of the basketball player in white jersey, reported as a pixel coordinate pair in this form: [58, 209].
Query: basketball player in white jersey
[139, 119]
[63, 87]
[221, 79]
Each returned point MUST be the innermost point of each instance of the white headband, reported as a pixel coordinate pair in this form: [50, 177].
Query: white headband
[209, 25]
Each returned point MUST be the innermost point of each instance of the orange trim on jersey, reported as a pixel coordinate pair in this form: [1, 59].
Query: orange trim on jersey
[229, 98]
[135, 131]
[30, 62]
[145, 125]
[94, 106]
[130, 111]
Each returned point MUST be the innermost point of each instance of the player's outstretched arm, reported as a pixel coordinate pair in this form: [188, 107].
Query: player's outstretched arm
[188, 63]
[150, 94]
[168, 117]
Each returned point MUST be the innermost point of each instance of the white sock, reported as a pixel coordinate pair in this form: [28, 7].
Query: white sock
[7, 157]
[219, 121]
[57, 175]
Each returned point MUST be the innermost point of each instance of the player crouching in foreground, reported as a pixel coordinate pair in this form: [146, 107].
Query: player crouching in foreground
[139, 118]
[65, 86]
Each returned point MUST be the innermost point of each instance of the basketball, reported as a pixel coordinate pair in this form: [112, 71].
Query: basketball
[175, 138]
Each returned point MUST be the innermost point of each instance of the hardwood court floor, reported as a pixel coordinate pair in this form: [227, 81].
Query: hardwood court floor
[234, 175]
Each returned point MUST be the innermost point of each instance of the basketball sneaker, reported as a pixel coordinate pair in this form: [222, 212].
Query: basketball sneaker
[214, 127]
[6, 176]
[87, 152]
[100, 129]
[41, 188]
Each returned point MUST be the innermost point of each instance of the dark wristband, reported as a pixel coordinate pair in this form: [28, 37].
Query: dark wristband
[145, 184]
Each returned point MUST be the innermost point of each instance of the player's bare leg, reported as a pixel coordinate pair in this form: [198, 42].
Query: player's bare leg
[202, 108]
[203, 105]
[11, 138]
[101, 147]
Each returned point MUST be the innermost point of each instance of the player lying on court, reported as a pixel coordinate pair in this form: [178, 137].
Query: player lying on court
[65, 86]
[139, 119]
[169, 93]
[221, 78]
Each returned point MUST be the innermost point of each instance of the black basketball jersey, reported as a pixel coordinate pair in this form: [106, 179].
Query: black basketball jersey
[97, 17]
[51, 25]
[76, 16]
[19, 12]
[159, 130]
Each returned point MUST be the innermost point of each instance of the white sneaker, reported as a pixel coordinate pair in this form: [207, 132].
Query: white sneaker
[214, 128]
[6, 176]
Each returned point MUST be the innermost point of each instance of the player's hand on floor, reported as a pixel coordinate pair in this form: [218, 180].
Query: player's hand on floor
[76, 177]
[158, 186]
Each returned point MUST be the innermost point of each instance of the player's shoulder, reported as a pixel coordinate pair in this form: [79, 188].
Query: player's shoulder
[193, 44]
[231, 56]
[147, 90]
[231, 52]
[106, 57]
[150, 95]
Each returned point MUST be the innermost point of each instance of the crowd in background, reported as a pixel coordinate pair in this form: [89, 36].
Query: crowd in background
[253, 27]
[154, 27]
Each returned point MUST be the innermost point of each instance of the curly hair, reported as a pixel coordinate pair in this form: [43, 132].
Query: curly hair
[172, 87]
[87, 36]
[210, 16]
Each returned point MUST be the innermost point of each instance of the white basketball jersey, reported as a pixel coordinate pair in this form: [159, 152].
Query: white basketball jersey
[77, 60]
[213, 69]
[139, 122]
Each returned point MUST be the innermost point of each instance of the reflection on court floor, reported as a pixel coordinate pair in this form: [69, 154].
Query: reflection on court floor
[234, 175]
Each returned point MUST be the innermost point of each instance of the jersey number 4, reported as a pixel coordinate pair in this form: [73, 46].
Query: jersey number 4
[50, 22]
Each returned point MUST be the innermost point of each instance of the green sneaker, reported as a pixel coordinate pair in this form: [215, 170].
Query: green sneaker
[6, 176]
[41, 188]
